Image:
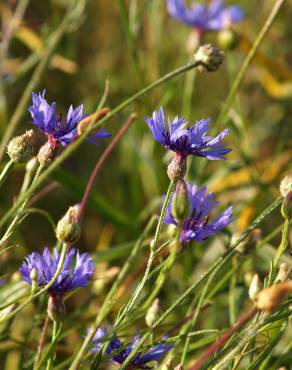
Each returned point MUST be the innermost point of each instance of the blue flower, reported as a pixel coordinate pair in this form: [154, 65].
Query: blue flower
[139, 361]
[213, 17]
[58, 130]
[72, 276]
[185, 140]
[197, 225]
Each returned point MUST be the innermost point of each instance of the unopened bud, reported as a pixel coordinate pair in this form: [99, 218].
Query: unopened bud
[152, 244]
[248, 245]
[22, 148]
[180, 202]
[227, 39]
[254, 287]
[32, 164]
[68, 229]
[270, 299]
[176, 169]
[46, 153]
[56, 308]
[152, 313]
[286, 208]
[286, 186]
[168, 364]
[34, 275]
[283, 273]
[210, 57]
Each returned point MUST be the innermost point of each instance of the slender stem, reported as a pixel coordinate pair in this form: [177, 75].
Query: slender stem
[42, 341]
[163, 272]
[220, 262]
[223, 339]
[73, 146]
[77, 360]
[19, 215]
[192, 323]
[35, 79]
[101, 161]
[54, 337]
[44, 289]
[283, 244]
[237, 83]
[8, 167]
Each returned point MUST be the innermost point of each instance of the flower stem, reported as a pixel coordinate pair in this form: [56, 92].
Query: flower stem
[50, 361]
[101, 161]
[283, 244]
[41, 342]
[91, 128]
[7, 168]
[223, 339]
[35, 79]
[163, 272]
[237, 83]
[19, 215]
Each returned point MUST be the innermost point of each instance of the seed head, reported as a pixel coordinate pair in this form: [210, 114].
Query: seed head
[176, 169]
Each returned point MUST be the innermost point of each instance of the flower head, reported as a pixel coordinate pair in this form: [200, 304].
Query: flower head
[186, 140]
[139, 361]
[72, 276]
[213, 17]
[58, 130]
[196, 226]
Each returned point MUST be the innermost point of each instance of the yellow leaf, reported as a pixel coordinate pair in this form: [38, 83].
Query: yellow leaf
[30, 38]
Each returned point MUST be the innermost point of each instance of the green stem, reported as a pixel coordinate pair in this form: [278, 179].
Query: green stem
[35, 79]
[54, 336]
[7, 168]
[91, 128]
[19, 215]
[283, 244]
[220, 262]
[163, 272]
[237, 83]
[77, 360]
[44, 289]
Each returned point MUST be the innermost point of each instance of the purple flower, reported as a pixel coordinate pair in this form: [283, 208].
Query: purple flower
[213, 17]
[197, 225]
[73, 275]
[139, 361]
[185, 140]
[58, 130]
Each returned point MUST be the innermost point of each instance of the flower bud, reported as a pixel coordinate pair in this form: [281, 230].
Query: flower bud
[254, 287]
[56, 308]
[180, 202]
[286, 186]
[22, 148]
[152, 313]
[176, 169]
[210, 57]
[248, 245]
[283, 273]
[32, 165]
[68, 229]
[168, 364]
[286, 208]
[33, 275]
[46, 153]
[152, 244]
[270, 299]
[227, 39]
